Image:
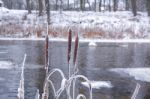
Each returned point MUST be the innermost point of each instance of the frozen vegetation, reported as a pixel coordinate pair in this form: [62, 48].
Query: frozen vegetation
[104, 25]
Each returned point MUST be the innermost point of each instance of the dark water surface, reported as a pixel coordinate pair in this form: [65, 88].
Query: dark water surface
[93, 62]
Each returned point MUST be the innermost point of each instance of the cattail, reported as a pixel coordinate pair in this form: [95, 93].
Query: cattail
[76, 49]
[69, 45]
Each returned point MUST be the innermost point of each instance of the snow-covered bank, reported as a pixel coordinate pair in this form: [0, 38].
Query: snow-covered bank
[81, 40]
[116, 25]
[142, 74]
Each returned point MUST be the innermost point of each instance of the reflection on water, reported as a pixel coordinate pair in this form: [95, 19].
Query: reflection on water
[93, 63]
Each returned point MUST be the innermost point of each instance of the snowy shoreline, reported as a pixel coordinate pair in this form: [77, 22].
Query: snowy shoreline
[81, 40]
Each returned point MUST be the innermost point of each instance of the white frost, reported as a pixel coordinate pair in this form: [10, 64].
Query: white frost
[98, 84]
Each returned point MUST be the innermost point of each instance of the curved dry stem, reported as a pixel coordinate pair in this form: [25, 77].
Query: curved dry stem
[81, 96]
[83, 77]
[63, 83]
[56, 70]
[53, 88]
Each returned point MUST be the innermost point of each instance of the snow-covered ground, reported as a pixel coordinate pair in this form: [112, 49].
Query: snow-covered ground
[108, 25]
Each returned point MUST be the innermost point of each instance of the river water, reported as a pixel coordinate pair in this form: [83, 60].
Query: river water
[96, 63]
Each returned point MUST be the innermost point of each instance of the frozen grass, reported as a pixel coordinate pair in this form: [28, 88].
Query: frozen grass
[116, 25]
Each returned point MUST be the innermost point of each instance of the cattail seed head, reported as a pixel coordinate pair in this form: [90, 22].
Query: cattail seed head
[76, 49]
[69, 44]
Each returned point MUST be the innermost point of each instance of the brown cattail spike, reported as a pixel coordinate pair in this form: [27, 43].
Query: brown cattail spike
[76, 49]
[69, 45]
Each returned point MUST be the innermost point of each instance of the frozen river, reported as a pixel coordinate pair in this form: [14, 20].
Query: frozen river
[110, 62]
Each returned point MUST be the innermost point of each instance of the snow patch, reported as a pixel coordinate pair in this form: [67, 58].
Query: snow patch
[92, 44]
[3, 9]
[98, 84]
[142, 74]
[6, 65]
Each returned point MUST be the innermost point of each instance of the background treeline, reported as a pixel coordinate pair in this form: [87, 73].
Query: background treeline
[80, 5]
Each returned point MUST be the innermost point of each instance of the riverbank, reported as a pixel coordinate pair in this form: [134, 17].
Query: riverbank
[93, 25]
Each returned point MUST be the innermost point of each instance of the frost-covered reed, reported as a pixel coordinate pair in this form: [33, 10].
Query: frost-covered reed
[37, 96]
[21, 85]
[136, 91]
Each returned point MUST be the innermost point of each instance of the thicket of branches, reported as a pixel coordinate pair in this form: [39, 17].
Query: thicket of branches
[79, 5]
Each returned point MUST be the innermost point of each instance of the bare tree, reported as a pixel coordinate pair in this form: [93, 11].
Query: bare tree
[127, 5]
[56, 6]
[148, 7]
[81, 5]
[89, 4]
[115, 5]
[29, 6]
[40, 7]
[100, 5]
[95, 5]
[104, 4]
[60, 6]
[134, 7]
[48, 11]
[109, 6]
[68, 2]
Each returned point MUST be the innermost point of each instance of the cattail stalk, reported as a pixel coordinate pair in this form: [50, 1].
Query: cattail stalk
[46, 54]
[74, 62]
[45, 94]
